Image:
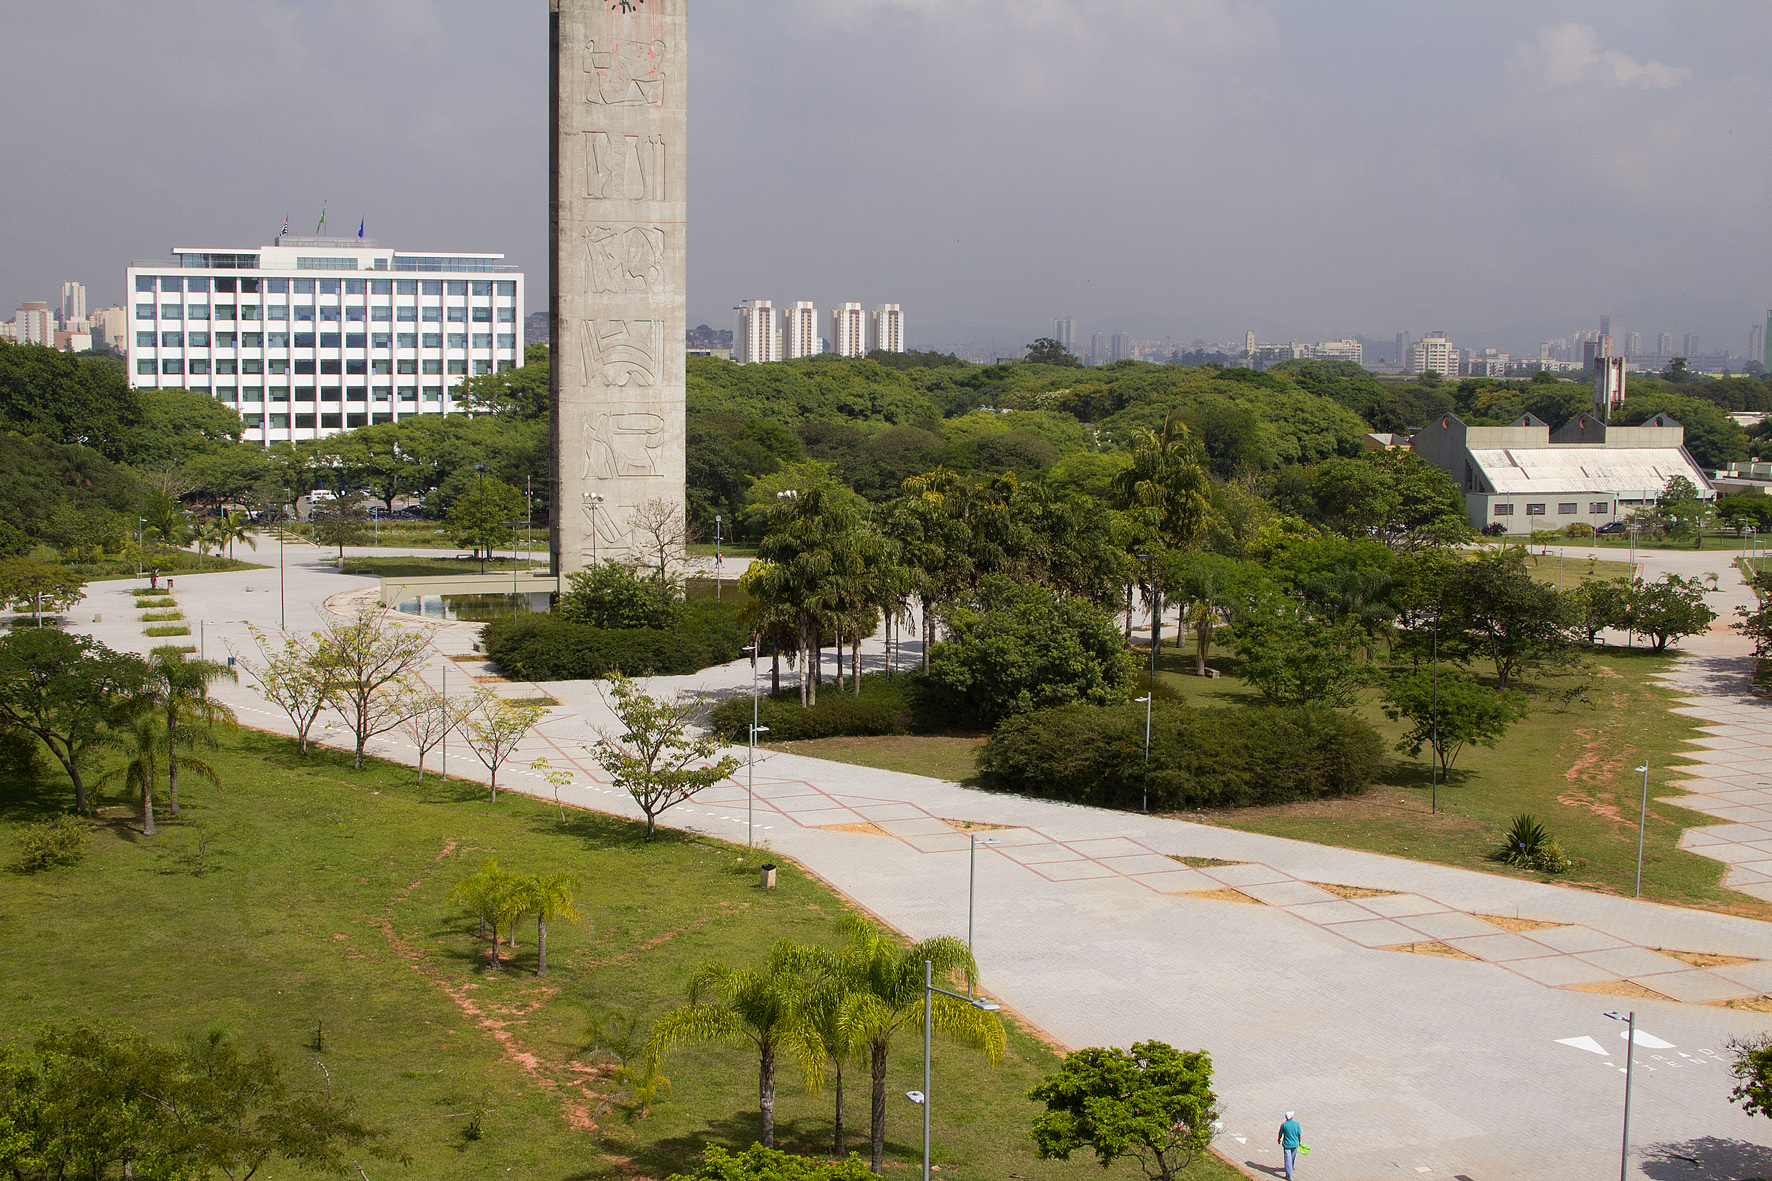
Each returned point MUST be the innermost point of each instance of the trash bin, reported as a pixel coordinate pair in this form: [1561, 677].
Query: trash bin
[768, 882]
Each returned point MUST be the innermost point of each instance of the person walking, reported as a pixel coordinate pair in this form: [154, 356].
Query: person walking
[1289, 1137]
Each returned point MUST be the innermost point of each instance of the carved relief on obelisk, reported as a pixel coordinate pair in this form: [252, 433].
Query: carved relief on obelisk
[619, 125]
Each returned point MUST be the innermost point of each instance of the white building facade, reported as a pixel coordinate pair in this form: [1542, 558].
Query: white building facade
[849, 331]
[758, 337]
[1434, 352]
[309, 336]
[799, 331]
[889, 328]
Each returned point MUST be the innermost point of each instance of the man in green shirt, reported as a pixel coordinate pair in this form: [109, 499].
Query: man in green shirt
[1289, 1138]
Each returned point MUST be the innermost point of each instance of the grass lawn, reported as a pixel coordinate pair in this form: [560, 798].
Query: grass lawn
[1571, 570]
[939, 756]
[177, 564]
[304, 896]
[415, 567]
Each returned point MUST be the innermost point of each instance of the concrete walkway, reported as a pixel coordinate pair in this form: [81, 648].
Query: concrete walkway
[1271, 953]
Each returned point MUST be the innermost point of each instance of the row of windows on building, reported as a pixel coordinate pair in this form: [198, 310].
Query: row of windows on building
[326, 340]
[241, 285]
[203, 366]
[1566, 508]
[356, 314]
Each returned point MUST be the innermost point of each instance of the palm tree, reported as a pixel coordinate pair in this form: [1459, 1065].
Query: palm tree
[834, 1011]
[140, 740]
[236, 527]
[548, 896]
[179, 688]
[890, 977]
[763, 1006]
[495, 897]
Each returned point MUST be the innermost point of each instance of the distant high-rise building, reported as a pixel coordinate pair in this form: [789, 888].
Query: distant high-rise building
[1691, 344]
[1766, 357]
[889, 328]
[109, 325]
[1098, 348]
[1121, 347]
[849, 331]
[758, 339]
[1434, 352]
[1402, 357]
[1633, 344]
[1664, 345]
[799, 331]
[1606, 325]
[34, 323]
[73, 310]
[1249, 344]
[1347, 349]
[1756, 342]
[1065, 333]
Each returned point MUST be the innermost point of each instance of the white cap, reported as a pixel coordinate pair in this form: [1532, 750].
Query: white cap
[1288, 1115]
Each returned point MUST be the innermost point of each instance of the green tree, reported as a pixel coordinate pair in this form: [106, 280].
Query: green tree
[760, 1005]
[1669, 609]
[1598, 604]
[522, 393]
[610, 594]
[1448, 710]
[1166, 484]
[1047, 351]
[142, 742]
[177, 691]
[1018, 647]
[362, 662]
[68, 690]
[495, 726]
[1497, 611]
[1152, 1103]
[889, 976]
[30, 584]
[478, 517]
[178, 426]
[1205, 585]
[1752, 1069]
[340, 521]
[655, 759]
[67, 399]
[495, 898]
[102, 1103]
[1682, 512]
[1292, 657]
[548, 896]
[291, 678]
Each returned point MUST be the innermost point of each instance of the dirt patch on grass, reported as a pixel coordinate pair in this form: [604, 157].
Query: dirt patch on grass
[870, 829]
[1444, 950]
[1704, 959]
[1353, 891]
[1225, 895]
[1756, 1004]
[1620, 988]
[1514, 924]
[1203, 862]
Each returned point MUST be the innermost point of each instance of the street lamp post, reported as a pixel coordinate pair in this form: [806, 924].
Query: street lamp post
[1642, 823]
[1434, 798]
[480, 497]
[141, 542]
[592, 500]
[1149, 694]
[716, 557]
[282, 596]
[972, 888]
[750, 791]
[1630, 1053]
[922, 1098]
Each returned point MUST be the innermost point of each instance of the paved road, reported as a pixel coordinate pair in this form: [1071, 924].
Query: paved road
[1487, 1067]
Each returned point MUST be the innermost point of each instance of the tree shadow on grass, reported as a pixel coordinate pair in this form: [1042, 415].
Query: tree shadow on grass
[808, 1136]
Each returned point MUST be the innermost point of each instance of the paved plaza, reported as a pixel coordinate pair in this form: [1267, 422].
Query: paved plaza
[1273, 954]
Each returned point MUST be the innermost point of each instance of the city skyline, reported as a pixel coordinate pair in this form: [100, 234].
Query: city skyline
[1055, 170]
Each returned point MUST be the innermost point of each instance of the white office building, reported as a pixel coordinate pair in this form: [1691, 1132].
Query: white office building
[889, 328]
[758, 337]
[1346, 349]
[73, 307]
[1434, 352]
[849, 331]
[799, 331]
[308, 336]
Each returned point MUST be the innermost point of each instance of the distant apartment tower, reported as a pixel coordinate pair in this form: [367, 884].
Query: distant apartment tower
[889, 328]
[1606, 325]
[1098, 349]
[1633, 344]
[1065, 333]
[1434, 352]
[1691, 344]
[109, 326]
[1486, 363]
[849, 331]
[1346, 349]
[758, 338]
[1664, 345]
[1249, 345]
[1756, 343]
[1402, 357]
[73, 309]
[1766, 343]
[34, 323]
[1121, 347]
[799, 331]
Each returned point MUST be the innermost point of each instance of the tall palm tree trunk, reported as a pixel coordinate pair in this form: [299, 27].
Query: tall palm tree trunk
[877, 1110]
[172, 759]
[766, 1093]
[148, 806]
[541, 944]
[837, 1133]
[775, 671]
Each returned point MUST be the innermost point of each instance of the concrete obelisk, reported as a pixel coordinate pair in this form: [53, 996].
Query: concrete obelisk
[619, 121]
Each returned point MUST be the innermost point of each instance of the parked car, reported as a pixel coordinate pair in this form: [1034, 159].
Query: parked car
[1612, 527]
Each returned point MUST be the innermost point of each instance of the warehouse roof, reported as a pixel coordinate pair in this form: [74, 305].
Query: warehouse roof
[1577, 468]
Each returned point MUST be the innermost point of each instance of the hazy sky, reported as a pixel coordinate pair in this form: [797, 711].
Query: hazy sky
[1188, 168]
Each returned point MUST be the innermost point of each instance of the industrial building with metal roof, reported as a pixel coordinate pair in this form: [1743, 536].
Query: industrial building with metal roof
[1526, 477]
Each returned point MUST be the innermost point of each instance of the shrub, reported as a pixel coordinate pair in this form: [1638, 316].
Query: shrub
[162, 616]
[60, 840]
[1494, 529]
[1578, 529]
[535, 647]
[155, 601]
[1200, 758]
[611, 595]
[1529, 846]
[168, 630]
[757, 1163]
[901, 704]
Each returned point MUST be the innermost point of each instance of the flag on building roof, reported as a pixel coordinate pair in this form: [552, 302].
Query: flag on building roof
[285, 230]
[359, 227]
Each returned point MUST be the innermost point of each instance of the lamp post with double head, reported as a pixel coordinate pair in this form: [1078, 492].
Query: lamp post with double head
[922, 1098]
[717, 558]
[1630, 1053]
[1149, 695]
[592, 500]
[1642, 823]
[750, 791]
[480, 497]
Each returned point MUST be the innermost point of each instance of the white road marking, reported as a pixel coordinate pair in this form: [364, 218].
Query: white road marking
[1583, 1043]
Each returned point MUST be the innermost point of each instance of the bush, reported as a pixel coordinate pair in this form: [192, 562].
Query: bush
[49, 843]
[757, 1163]
[1578, 529]
[168, 630]
[611, 595]
[162, 616]
[533, 647]
[1494, 529]
[901, 704]
[1529, 846]
[1200, 758]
